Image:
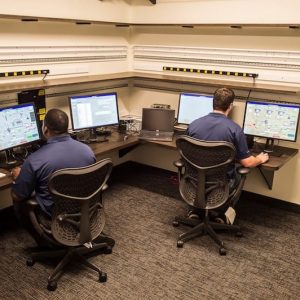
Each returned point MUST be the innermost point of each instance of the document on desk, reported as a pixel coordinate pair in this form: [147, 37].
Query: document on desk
[2, 175]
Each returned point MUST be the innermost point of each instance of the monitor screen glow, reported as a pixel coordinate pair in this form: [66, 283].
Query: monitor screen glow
[93, 111]
[271, 120]
[18, 126]
[193, 106]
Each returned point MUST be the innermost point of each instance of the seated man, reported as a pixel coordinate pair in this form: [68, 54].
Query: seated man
[60, 151]
[216, 126]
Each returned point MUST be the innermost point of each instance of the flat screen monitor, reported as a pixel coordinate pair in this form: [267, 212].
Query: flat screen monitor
[18, 126]
[271, 120]
[193, 106]
[160, 119]
[93, 111]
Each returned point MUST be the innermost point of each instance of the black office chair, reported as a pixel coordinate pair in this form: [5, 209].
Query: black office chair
[204, 186]
[77, 219]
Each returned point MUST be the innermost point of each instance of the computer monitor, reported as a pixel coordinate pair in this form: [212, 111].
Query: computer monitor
[18, 125]
[92, 111]
[271, 121]
[193, 106]
[158, 119]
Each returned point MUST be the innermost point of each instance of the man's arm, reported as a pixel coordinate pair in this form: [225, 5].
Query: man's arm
[253, 161]
[23, 182]
[14, 174]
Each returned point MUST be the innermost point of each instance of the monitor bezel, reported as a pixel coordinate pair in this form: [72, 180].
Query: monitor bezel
[36, 121]
[93, 95]
[272, 103]
[179, 101]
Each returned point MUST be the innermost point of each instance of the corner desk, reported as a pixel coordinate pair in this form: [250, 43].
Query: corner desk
[117, 142]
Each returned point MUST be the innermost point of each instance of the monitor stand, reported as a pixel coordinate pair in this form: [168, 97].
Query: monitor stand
[269, 148]
[94, 138]
[10, 160]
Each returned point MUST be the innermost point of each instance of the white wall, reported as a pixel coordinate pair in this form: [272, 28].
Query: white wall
[109, 11]
[23, 37]
[216, 11]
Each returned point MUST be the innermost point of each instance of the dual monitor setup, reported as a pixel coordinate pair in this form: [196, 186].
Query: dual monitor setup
[270, 120]
[20, 125]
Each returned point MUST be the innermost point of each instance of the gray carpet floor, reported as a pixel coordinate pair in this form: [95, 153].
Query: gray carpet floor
[146, 264]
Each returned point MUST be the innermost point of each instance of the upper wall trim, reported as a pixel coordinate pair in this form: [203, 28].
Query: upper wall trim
[190, 25]
[268, 88]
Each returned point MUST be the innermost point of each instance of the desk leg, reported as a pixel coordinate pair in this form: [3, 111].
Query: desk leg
[268, 176]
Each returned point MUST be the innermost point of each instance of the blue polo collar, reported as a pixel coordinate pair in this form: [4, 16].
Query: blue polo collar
[60, 138]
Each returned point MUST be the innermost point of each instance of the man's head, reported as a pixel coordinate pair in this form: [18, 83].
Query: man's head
[55, 123]
[223, 99]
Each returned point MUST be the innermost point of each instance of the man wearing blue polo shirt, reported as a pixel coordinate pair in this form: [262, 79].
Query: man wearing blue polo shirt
[60, 151]
[216, 126]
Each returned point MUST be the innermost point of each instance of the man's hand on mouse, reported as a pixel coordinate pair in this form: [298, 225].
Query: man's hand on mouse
[15, 173]
[263, 156]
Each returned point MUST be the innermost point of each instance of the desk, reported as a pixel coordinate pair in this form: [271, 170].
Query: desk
[117, 143]
[267, 169]
[274, 163]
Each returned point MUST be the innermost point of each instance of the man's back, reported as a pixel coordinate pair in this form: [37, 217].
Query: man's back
[217, 127]
[60, 152]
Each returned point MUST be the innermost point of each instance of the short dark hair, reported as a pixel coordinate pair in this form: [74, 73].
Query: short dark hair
[223, 97]
[57, 121]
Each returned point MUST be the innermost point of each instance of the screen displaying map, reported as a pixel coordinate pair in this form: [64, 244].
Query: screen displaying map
[18, 126]
[271, 120]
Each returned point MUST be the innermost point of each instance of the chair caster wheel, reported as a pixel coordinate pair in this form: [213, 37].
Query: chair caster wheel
[180, 244]
[102, 277]
[108, 250]
[30, 262]
[222, 251]
[52, 285]
[239, 234]
[175, 223]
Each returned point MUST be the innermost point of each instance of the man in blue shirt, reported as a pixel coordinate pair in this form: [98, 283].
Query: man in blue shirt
[216, 126]
[60, 151]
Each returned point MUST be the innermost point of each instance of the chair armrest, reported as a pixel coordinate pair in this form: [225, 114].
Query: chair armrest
[243, 170]
[105, 187]
[32, 203]
[178, 164]
[38, 227]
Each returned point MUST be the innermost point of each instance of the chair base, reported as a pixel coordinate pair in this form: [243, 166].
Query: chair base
[200, 228]
[67, 255]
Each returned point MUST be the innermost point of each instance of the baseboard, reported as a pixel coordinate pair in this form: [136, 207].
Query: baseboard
[247, 196]
[272, 202]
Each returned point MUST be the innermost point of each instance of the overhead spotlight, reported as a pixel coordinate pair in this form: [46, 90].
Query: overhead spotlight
[29, 20]
[122, 25]
[83, 23]
[187, 26]
[236, 26]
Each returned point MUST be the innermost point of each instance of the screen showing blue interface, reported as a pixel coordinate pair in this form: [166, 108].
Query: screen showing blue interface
[18, 126]
[193, 106]
[271, 120]
[94, 111]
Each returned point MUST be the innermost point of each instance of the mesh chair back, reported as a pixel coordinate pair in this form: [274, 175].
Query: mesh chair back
[204, 183]
[78, 215]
